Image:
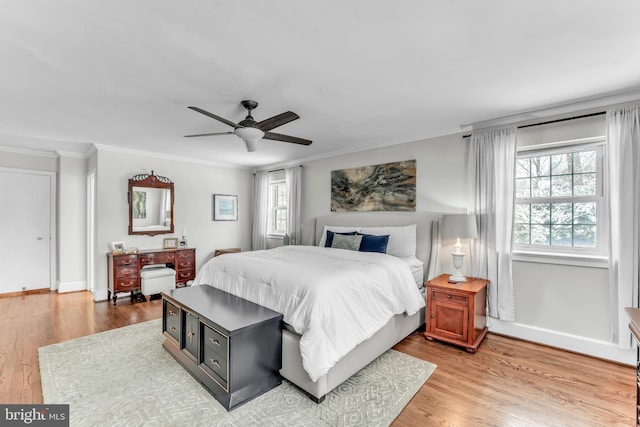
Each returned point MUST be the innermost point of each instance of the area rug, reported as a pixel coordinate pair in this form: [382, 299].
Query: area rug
[124, 377]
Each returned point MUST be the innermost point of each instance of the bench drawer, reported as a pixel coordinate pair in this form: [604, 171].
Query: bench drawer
[215, 341]
[212, 363]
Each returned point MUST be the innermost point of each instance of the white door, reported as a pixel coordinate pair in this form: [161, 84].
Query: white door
[25, 230]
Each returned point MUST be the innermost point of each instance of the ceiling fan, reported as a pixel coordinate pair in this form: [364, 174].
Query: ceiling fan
[251, 131]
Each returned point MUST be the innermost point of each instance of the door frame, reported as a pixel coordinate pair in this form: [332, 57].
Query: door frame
[53, 283]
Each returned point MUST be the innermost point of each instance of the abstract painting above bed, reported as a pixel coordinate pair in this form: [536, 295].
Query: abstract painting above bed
[320, 291]
[385, 187]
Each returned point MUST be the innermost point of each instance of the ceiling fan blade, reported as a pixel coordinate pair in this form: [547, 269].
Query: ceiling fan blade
[218, 118]
[285, 138]
[208, 134]
[275, 121]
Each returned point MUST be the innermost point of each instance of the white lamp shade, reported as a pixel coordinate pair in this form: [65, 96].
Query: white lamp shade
[459, 226]
[250, 136]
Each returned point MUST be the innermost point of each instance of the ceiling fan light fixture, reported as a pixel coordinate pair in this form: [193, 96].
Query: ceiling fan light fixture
[248, 133]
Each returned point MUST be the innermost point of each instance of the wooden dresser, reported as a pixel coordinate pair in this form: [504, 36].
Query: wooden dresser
[456, 312]
[124, 269]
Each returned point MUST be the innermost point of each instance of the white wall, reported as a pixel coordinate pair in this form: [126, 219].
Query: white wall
[71, 227]
[559, 305]
[194, 186]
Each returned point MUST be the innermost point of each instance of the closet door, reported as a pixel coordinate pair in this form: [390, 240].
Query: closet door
[25, 230]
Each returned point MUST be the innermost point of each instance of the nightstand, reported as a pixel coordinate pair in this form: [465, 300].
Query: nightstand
[456, 312]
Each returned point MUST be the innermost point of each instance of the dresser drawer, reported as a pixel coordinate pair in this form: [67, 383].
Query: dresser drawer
[185, 264]
[131, 260]
[215, 341]
[212, 363]
[126, 271]
[157, 258]
[125, 284]
[186, 255]
[184, 275]
[454, 298]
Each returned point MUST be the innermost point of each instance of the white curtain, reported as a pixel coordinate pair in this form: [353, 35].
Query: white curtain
[623, 141]
[492, 164]
[260, 211]
[293, 179]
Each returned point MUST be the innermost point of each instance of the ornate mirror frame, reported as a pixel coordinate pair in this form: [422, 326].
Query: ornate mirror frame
[150, 211]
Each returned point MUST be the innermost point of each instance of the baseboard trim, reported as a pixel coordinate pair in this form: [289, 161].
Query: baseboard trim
[101, 295]
[72, 286]
[575, 343]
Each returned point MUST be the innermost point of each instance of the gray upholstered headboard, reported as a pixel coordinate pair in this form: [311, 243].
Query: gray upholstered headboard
[423, 220]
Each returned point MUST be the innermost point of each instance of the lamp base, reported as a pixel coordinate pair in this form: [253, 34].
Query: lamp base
[455, 278]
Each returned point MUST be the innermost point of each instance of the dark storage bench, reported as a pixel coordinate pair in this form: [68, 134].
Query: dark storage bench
[231, 345]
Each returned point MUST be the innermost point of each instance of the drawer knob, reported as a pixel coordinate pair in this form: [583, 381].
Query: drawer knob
[172, 313]
[433, 316]
[215, 341]
[173, 328]
[449, 296]
[215, 362]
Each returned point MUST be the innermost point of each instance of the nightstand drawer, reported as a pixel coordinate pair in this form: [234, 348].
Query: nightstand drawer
[215, 341]
[454, 298]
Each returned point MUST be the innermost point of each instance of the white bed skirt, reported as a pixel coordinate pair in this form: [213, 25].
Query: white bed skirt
[395, 330]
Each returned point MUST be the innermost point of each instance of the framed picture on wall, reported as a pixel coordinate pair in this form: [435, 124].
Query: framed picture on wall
[225, 207]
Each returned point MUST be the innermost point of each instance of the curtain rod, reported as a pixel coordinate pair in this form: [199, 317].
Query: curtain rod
[555, 121]
[281, 169]
[276, 170]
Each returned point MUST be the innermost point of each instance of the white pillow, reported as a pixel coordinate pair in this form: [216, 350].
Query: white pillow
[335, 229]
[417, 269]
[402, 240]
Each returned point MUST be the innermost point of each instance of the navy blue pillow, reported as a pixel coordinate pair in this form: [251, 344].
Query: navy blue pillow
[372, 243]
[329, 241]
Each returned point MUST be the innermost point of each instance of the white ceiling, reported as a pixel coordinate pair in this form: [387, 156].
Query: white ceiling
[360, 73]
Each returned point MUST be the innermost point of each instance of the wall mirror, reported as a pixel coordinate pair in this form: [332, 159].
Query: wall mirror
[150, 205]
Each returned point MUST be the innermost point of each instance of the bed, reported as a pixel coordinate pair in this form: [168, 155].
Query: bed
[326, 337]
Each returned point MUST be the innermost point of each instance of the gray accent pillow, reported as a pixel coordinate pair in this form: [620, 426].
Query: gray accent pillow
[346, 242]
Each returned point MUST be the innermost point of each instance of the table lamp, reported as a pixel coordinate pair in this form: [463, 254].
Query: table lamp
[459, 226]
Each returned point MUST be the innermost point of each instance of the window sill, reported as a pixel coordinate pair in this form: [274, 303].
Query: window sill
[593, 261]
[275, 236]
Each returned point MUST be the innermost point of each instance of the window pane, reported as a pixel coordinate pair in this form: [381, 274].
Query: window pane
[540, 213]
[561, 186]
[521, 233]
[523, 187]
[522, 168]
[584, 161]
[281, 219]
[540, 234]
[584, 236]
[540, 166]
[561, 235]
[521, 214]
[585, 213]
[584, 184]
[561, 164]
[562, 213]
[540, 187]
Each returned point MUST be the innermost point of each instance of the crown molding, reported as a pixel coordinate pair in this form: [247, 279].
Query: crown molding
[556, 110]
[101, 147]
[28, 151]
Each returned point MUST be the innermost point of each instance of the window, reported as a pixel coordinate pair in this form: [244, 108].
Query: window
[559, 203]
[278, 201]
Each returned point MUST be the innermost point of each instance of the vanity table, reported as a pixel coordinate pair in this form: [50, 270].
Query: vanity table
[124, 269]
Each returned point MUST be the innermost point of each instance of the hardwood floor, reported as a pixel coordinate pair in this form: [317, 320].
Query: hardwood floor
[506, 382]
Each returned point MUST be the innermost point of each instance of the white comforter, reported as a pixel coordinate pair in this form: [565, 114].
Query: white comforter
[334, 298]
